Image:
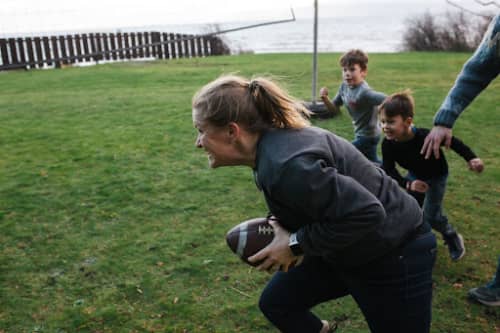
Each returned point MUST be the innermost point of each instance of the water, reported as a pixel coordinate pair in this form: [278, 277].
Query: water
[334, 35]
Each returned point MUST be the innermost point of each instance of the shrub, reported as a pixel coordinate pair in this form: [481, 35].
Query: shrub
[455, 32]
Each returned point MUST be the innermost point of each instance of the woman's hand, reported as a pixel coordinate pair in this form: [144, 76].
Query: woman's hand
[277, 255]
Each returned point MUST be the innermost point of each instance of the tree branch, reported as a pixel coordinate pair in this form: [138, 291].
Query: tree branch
[468, 11]
[484, 3]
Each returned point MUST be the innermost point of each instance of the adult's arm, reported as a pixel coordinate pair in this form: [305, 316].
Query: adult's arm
[476, 75]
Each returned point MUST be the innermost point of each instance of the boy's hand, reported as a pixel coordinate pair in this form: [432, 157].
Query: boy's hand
[417, 186]
[476, 165]
[323, 92]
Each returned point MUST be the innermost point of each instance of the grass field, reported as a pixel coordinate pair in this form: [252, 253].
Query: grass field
[110, 220]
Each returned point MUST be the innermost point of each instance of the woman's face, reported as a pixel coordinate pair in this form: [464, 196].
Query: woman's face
[217, 143]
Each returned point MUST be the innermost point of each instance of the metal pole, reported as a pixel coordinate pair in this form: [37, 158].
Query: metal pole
[315, 53]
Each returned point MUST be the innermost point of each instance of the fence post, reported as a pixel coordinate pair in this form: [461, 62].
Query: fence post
[31, 54]
[105, 43]
[86, 51]
[97, 47]
[126, 45]
[140, 43]
[112, 44]
[166, 46]
[13, 51]
[71, 50]
[22, 55]
[64, 54]
[3, 50]
[55, 51]
[79, 51]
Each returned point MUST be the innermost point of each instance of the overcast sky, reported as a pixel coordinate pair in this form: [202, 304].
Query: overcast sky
[19, 16]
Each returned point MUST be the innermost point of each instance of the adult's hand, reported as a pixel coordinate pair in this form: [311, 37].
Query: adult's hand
[277, 255]
[434, 139]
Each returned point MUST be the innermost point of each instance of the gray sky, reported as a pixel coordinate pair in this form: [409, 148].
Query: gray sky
[21, 16]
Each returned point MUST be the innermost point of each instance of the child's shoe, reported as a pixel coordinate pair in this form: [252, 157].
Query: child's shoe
[455, 243]
[487, 295]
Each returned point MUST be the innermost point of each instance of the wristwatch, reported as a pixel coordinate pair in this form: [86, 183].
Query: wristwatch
[294, 245]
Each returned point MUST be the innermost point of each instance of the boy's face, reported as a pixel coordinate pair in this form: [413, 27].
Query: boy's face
[395, 128]
[353, 75]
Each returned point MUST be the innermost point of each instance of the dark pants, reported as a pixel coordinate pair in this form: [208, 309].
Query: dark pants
[394, 292]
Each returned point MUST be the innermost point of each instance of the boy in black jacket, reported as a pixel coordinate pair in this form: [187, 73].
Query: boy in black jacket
[426, 179]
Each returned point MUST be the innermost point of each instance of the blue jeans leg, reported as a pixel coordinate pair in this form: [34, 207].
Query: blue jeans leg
[368, 146]
[394, 292]
[495, 283]
[433, 203]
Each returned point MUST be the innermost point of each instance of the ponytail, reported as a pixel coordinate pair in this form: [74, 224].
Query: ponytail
[257, 104]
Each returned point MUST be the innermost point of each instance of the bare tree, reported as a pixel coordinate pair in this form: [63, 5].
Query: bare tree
[457, 31]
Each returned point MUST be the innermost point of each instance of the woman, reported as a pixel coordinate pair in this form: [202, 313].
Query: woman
[357, 232]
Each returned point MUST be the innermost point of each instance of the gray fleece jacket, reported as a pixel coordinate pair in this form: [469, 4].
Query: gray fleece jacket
[343, 207]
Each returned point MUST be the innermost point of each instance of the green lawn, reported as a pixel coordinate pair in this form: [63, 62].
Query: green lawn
[111, 221]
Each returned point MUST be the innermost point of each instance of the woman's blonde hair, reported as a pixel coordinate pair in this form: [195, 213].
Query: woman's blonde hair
[257, 104]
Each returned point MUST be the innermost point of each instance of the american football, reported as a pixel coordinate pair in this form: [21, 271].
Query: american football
[249, 237]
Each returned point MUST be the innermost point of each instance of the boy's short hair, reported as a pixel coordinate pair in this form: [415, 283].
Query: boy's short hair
[398, 104]
[353, 57]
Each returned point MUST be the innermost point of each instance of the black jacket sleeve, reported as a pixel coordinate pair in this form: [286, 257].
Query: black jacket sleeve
[462, 149]
[339, 210]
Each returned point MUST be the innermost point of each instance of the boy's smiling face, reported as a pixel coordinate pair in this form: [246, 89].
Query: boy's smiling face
[395, 128]
[353, 75]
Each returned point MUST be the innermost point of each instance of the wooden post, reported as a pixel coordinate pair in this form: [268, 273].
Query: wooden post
[206, 51]
[133, 44]
[120, 45]
[179, 45]
[79, 51]
[46, 48]
[86, 50]
[126, 45]
[22, 55]
[199, 50]
[13, 51]
[191, 47]
[64, 54]
[38, 49]
[31, 54]
[146, 42]
[71, 49]
[55, 51]
[112, 43]
[105, 43]
[98, 47]
[166, 45]
[3, 50]
[140, 42]
[155, 38]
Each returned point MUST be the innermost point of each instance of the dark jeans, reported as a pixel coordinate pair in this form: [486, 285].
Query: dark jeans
[368, 146]
[394, 292]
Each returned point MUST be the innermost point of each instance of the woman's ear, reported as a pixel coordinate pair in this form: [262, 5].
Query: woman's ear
[234, 130]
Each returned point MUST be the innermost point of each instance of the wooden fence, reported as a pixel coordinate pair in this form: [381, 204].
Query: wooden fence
[55, 51]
